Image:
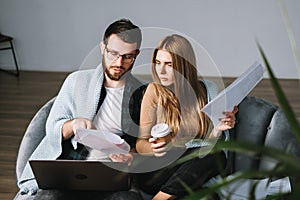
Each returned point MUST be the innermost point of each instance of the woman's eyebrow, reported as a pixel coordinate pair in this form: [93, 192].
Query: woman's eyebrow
[168, 62]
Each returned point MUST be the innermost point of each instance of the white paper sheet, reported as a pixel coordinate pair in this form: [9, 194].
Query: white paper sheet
[103, 141]
[234, 93]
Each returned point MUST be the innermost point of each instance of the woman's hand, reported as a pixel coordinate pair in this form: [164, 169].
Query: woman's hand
[229, 120]
[226, 123]
[121, 158]
[159, 148]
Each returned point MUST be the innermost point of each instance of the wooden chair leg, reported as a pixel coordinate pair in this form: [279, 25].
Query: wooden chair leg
[17, 72]
[15, 59]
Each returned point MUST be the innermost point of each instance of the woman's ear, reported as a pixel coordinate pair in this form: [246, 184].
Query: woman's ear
[102, 47]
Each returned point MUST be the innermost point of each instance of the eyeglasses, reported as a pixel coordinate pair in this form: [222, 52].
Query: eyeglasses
[126, 58]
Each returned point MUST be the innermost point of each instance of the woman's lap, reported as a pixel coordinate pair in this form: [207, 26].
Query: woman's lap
[194, 173]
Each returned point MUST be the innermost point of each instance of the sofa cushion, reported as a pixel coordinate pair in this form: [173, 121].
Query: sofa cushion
[253, 119]
[281, 137]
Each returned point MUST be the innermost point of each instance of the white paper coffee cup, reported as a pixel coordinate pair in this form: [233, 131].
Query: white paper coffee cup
[161, 132]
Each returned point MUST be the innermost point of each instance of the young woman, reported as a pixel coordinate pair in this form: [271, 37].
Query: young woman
[176, 97]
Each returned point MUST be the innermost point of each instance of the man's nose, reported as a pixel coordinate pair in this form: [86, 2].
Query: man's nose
[119, 61]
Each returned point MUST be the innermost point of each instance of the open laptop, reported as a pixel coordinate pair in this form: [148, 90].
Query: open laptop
[81, 175]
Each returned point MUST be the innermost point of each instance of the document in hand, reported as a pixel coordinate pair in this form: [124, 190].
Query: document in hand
[234, 93]
[102, 140]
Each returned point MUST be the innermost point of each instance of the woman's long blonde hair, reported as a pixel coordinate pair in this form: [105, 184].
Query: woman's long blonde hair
[183, 102]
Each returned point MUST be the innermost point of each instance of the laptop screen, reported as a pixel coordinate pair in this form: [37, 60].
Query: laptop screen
[81, 175]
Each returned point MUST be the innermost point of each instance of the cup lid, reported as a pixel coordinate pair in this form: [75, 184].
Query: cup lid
[160, 130]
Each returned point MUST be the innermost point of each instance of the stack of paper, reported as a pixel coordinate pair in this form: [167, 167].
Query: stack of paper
[106, 142]
[234, 93]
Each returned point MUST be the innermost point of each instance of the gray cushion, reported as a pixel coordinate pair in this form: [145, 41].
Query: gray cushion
[279, 136]
[253, 118]
[31, 138]
[263, 123]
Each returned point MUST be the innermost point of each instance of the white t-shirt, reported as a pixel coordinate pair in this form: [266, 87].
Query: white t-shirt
[108, 118]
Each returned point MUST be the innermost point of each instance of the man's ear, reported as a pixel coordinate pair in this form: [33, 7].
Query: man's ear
[102, 47]
[137, 52]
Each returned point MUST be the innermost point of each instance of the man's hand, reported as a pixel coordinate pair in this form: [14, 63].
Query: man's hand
[121, 158]
[69, 127]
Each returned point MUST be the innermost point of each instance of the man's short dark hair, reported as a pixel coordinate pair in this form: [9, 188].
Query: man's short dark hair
[125, 30]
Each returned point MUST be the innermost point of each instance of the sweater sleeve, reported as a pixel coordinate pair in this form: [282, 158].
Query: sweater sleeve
[148, 119]
[78, 97]
[148, 116]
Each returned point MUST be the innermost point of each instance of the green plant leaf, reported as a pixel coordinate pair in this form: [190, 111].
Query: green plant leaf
[287, 165]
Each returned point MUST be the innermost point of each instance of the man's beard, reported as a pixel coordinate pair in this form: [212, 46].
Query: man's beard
[114, 77]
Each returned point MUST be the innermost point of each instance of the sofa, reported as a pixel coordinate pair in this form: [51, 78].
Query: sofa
[258, 121]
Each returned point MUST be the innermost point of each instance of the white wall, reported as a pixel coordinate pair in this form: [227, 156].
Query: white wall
[56, 35]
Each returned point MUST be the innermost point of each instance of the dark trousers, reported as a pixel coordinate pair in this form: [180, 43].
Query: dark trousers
[86, 195]
[194, 173]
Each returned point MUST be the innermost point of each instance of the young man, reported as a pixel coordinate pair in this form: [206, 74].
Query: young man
[106, 98]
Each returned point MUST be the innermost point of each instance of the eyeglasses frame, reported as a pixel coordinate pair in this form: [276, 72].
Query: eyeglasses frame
[123, 56]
